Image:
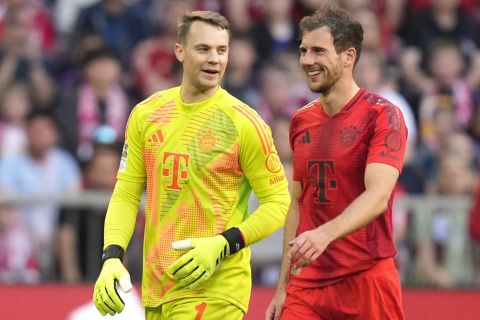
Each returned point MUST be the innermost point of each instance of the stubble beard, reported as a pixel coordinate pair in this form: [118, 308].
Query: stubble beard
[326, 86]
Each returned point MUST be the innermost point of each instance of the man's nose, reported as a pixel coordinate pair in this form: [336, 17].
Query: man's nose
[306, 59]
[213, 56]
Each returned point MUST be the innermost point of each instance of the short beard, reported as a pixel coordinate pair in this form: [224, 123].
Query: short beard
[325, 88]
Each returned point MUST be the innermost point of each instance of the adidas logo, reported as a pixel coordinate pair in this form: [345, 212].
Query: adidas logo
[157, 137]
[305, 138]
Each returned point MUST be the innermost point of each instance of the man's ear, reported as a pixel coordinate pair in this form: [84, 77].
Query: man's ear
[349, 57]
[179, 52]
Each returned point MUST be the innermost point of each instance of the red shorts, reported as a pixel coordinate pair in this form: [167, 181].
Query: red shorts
[370, 295]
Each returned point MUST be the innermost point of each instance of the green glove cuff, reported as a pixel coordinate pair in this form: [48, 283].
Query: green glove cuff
[112, 251]
[235, 239]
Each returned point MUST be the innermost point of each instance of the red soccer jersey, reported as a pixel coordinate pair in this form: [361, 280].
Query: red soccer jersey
[330, 155]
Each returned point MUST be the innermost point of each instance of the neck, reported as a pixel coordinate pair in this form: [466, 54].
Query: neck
[338, 96]
[37, 156]
[190, 94]
[101, 91]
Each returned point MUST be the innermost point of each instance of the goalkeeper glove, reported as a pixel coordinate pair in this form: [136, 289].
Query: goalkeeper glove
[195, 267]
[105, 295]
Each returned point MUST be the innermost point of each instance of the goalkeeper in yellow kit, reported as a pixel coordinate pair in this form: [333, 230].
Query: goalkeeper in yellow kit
[200, 152]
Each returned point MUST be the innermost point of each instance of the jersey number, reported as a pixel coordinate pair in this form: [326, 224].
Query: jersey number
[200, 310]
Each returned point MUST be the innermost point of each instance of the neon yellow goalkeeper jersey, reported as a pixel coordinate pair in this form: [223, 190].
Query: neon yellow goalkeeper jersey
[200, 162]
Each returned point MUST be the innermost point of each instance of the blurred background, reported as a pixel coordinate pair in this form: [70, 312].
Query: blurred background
[72, 70]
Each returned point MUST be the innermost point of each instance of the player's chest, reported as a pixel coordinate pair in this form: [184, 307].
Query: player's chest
[197, 139]
[344, 143]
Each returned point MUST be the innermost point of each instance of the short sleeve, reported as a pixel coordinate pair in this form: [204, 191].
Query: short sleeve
[387, 145]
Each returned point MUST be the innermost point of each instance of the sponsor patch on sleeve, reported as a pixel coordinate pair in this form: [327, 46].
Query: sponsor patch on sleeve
[124, 158]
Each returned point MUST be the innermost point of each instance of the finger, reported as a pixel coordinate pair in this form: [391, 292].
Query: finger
[97, 300]
[185, 269]
[307, 257]
[270, 313]
[196, 280]
[182, 244]
[106, 302]
[111, 290]
[178, 264]
[99, 306]
[297, 243]
[277, 315]
[297, 251]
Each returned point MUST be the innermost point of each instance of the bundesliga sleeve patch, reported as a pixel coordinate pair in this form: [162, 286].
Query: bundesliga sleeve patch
[123, 160]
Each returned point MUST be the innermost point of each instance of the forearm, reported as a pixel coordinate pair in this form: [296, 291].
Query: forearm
[43, 86]
[267, 218]
[7, 70]
[122, 213]
[289, 232]
[364, 209]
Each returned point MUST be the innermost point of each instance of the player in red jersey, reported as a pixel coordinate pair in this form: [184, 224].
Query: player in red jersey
[348, 149]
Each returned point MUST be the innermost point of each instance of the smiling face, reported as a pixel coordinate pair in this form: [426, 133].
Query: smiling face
[320, 61]
[204, 55]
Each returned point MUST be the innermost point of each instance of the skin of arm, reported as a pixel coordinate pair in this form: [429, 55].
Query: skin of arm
[380, 179]
[274, 310]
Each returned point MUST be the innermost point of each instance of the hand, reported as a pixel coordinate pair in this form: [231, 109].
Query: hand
[196, 266]
[274, 310]
[105, 295]
[307, 247]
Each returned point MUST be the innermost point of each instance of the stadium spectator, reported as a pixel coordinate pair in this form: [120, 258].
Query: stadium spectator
[276, 94]
[241, 78]
[441, 20]
[65, 14]
[121, 25]
[70, 61]
[15, 105]
[153, 61]
[96, 109]
[434, 250]
[451, 89]
[22, 58]
[81, 230]
[371, 72]
[18, 260]
[34, 18]
[380, 20]
[46, 172]
[276, 32]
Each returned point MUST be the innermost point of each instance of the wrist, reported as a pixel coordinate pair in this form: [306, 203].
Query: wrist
[234, 239]
[113, 251]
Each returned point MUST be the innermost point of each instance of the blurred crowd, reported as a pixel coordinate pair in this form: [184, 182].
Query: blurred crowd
[72, 70]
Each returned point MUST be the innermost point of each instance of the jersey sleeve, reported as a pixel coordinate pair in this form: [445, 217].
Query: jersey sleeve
[262, 167]
[123, 207]
[389, 139]
[132, 166]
